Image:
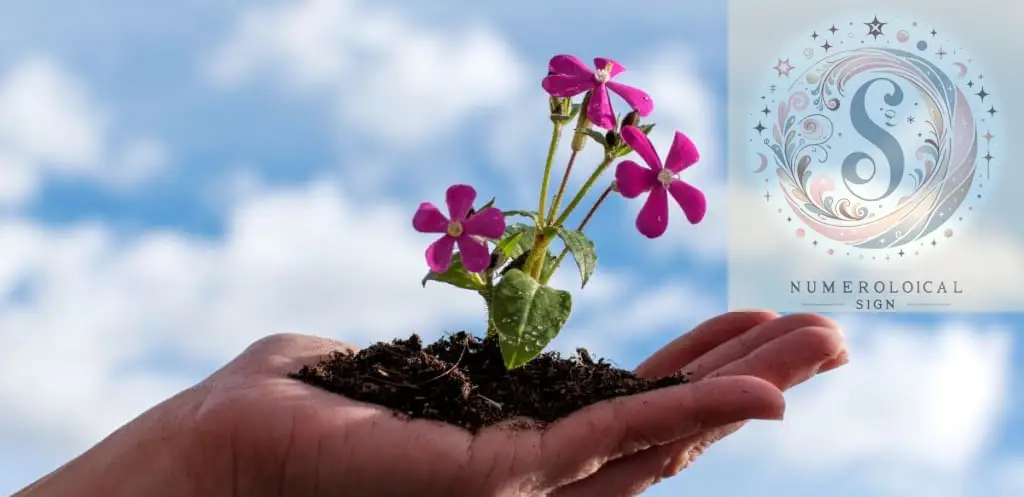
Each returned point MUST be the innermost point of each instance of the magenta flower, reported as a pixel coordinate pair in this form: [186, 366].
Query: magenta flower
[467, 232]
[568, 77]
[633, 179]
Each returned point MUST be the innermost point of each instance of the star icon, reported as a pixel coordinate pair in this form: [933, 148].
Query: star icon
[910, 119]
[759, 128]
[934, 32]
[982, 94]
[970, 84]
[989, 136]
[783, 67]
[766, 111]
[988, 156]
[941, 53]
[772, 88]
[826, 46]
[814, 35]
[991, 111]
[833, 29]
[875, 27]
[901, 253]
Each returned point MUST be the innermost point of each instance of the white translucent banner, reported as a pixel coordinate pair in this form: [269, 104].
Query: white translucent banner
[870, 158]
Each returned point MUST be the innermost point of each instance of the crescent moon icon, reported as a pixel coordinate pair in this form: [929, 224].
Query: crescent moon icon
[764, 164]
[961, 68]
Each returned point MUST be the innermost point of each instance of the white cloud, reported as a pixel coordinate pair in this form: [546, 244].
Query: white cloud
[406, 82]
[308, 260]
[49, 121]
[913, 401]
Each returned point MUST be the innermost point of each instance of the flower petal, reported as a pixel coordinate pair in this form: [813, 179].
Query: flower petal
[599, 110]
[692, 200]
[642, 145]
[428, 219]
[460, 200]
[616, 69]
[439, 254]
[566, 85]
[475, 257]
[569, 65]
[632, 179]
[488, 223]
[653, 218]
[682, 155]
[638, 99]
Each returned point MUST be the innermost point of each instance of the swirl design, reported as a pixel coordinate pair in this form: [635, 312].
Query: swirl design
[923, 189]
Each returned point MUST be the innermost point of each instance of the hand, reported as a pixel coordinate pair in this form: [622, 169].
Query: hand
[785, 351]
[249, 431]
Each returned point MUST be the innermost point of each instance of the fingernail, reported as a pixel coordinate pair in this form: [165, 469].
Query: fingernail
[840, 360]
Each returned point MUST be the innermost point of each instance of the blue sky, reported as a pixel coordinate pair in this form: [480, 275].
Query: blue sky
[183, 178]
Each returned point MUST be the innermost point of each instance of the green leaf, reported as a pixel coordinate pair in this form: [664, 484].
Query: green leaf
[646, 128]
[456, 276]
[507, 246]
[527, 316]
[582, 250]
[528, 214]
[488, 205]
[597, 136]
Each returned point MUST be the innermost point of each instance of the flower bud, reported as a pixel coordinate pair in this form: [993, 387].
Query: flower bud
[580, 138]
[555, 106]
[611, 138]
[615, 186]
[631, 119]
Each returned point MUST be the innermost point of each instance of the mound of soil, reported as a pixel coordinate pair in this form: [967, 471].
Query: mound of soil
[461, 380]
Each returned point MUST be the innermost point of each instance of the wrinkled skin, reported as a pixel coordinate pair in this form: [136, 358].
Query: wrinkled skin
[249, 431]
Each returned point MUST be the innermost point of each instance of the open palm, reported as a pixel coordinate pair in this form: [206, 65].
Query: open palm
[277, 436]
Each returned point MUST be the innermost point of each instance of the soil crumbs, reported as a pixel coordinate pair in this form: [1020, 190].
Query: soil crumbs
[461, 380]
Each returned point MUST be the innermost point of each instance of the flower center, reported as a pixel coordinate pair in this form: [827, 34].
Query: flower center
[604, 74]
[454, 229]
[665, 177]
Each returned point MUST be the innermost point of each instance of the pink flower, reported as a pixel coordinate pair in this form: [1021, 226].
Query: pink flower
[568, 77]
[458, 229]
[632, 180]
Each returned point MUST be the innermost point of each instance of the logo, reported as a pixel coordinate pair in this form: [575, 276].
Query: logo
[875, 139]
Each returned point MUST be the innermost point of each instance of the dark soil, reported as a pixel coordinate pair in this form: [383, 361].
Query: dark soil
[462, 380]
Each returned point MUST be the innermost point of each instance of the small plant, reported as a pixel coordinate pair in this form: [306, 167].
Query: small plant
[510, 265]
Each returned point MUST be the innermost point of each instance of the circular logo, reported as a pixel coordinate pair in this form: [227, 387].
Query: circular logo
[875, 139]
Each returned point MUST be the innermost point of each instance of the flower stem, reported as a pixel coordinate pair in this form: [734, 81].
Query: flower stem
[561, 187]
[583, 224]
[556, 135]
[584, 189]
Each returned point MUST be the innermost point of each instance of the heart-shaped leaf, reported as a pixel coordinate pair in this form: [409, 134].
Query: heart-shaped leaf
[456, 276]
[582, 250]
[527, 316]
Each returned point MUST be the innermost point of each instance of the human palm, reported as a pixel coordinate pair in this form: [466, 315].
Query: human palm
[278, 436]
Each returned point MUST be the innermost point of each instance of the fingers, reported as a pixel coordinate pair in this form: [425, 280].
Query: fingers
[284, 353]
[746, 343]
[704, 337]
[579, 445]
[625, 476]
[791, 359]
[785, 362]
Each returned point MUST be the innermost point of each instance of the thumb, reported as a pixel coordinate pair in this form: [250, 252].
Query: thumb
[580, 444]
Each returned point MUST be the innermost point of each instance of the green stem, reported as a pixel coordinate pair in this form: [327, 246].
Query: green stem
[561, 187]
[583, 224]
[556, 135]
[583, 190]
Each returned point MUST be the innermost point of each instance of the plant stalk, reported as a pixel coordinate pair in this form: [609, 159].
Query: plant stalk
[556, 135]
[584, 189]
[545, 276]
